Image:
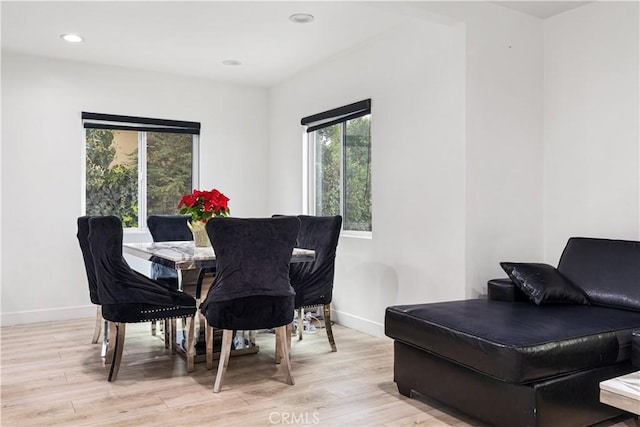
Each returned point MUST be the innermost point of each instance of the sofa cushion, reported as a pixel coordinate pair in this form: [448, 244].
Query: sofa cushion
[607, 271]
[516, 342]
[542, 283]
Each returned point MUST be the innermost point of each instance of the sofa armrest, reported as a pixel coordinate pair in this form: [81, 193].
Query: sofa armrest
[504, 290]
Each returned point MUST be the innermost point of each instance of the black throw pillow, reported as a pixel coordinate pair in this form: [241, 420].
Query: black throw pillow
[543, 284]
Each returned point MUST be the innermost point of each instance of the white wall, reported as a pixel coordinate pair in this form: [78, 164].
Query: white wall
[43, 276]
[457, 111]
[415, 79]
[591, 135]
[503, 141]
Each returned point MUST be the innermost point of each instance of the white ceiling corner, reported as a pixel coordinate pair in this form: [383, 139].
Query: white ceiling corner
[542, 9]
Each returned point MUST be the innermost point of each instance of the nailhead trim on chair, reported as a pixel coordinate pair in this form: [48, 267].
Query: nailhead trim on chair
[160, 309]
[159, 318]
[311, 306]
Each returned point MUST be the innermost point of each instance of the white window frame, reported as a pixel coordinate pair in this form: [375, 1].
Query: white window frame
[310, 178]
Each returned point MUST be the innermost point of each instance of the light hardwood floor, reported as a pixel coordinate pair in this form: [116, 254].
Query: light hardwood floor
[51, 375]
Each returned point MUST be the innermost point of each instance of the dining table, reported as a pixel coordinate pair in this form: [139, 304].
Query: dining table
[183, 256]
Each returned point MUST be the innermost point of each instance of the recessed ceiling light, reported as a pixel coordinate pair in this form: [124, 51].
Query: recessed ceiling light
[73, 38]
[301, 18]
[232, 62]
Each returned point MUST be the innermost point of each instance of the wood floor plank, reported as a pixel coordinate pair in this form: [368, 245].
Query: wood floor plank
[63, 382]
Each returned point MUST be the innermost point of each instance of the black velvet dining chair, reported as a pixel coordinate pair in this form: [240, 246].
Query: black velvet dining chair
[83, 239]
[167, 228]
[313, 280]
[127, 296]
[251, 289]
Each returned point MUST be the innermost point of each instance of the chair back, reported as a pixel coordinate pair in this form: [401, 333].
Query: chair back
[251, 289]
[83, 239]
[119, 284]
[313, 280]
[169, 228]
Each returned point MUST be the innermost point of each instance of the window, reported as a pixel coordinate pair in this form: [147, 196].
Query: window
[340, 164]
[138, 166]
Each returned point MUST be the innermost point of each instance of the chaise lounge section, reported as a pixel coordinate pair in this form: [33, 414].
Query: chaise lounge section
[534, 352]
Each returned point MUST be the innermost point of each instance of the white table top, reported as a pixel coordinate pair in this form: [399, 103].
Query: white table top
[622, 392]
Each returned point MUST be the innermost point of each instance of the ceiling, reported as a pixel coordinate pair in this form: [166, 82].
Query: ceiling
[193, 38]
[542, 9]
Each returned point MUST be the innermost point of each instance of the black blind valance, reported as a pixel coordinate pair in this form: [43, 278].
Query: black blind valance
[112, 121]
[337, 115]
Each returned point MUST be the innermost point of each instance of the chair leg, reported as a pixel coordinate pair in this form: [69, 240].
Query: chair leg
[105, 340]
[225, 351]
[288, 330]
[300, 323]
[281, 343]
[201, 323]
[172, 325]
[191, 322]
[117, 351]
[167, 333]
[110, 342]
[96, 331]
[327, 325]
[153, 328]
[209, 345]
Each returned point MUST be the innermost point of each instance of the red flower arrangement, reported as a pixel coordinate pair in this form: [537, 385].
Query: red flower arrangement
[202, 205]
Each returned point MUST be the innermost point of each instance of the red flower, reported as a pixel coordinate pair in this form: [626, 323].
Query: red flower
[187, 200]
[202, 205]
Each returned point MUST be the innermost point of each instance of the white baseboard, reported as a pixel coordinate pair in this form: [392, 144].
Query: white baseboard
[358, 323]
[48, 315]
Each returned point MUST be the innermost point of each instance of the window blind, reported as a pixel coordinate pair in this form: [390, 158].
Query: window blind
[112, 121]
[337, 115]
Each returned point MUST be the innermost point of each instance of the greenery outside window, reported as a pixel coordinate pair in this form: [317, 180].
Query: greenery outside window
[137, 166]
[340, 165]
